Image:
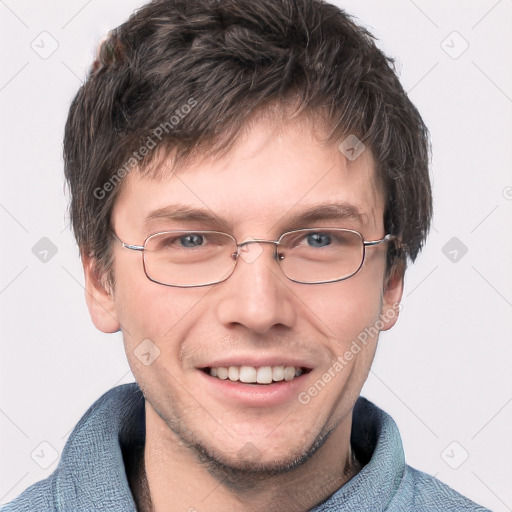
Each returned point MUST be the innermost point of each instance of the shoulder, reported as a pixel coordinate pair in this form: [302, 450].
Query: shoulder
[38, 496]
[387, 481]
[90, 470]
[419, 491]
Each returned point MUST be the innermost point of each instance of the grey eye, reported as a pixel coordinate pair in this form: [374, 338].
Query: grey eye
[192, 240]
[319, 239]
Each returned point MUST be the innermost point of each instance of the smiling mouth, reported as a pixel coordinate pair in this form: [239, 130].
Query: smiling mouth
[253, 375]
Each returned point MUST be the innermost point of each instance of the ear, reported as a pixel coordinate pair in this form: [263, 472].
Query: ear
[392, 295]
[99, 296]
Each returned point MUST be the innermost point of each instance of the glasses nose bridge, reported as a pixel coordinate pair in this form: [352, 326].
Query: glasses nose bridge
[257, 241]
[241, 245]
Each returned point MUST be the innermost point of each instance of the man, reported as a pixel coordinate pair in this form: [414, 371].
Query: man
[248, 182]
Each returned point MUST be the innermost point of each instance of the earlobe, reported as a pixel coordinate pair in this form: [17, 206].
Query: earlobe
[392, 296]
[99, 297]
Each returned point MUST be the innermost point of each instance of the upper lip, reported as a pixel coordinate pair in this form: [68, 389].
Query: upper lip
[277, 360]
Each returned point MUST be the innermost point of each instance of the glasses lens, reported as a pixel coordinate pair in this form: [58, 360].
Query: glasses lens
[189, 258]
[320, 255]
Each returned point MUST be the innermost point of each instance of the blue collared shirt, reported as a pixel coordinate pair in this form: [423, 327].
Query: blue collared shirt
[91, 474]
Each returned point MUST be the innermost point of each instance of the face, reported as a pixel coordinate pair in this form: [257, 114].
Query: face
[276, 179]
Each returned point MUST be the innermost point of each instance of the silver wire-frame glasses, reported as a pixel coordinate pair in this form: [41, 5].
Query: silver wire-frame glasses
[187, 258]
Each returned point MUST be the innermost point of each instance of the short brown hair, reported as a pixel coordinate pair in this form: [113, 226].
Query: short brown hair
[199, 69]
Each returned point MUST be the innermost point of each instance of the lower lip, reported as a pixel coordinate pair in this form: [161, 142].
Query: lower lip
[254, 395]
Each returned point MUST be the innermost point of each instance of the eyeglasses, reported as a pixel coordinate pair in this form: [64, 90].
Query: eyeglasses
[201, 258]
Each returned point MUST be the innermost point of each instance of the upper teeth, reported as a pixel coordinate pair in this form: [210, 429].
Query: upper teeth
[250, 374]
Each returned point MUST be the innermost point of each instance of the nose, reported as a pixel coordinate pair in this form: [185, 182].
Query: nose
[257, 295]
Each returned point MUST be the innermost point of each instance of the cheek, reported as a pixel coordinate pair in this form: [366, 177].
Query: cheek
[155, 322]
[346, 309]
[148, 310]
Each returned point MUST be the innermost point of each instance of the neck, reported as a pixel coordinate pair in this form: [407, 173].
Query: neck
[176, 477]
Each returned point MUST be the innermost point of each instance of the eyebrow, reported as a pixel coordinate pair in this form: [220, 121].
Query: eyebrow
[180, 212]
[316, 213]
[332, 211]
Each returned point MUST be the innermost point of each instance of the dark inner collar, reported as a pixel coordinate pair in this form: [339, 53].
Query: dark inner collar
[132, 438]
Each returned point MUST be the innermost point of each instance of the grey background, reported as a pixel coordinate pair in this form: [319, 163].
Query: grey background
[443, 372]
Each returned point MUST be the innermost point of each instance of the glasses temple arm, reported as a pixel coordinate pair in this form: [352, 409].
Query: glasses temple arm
[128, 246]
[371, 243]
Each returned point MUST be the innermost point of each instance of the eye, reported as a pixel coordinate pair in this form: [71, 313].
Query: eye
[192, 240]
[318, 239]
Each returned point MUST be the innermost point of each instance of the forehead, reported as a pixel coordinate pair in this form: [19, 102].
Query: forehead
[276, 174]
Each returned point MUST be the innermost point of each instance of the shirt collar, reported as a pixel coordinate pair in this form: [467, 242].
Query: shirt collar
[376, 440]
[92, 474]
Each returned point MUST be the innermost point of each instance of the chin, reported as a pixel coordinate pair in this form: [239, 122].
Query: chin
[250, 464]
